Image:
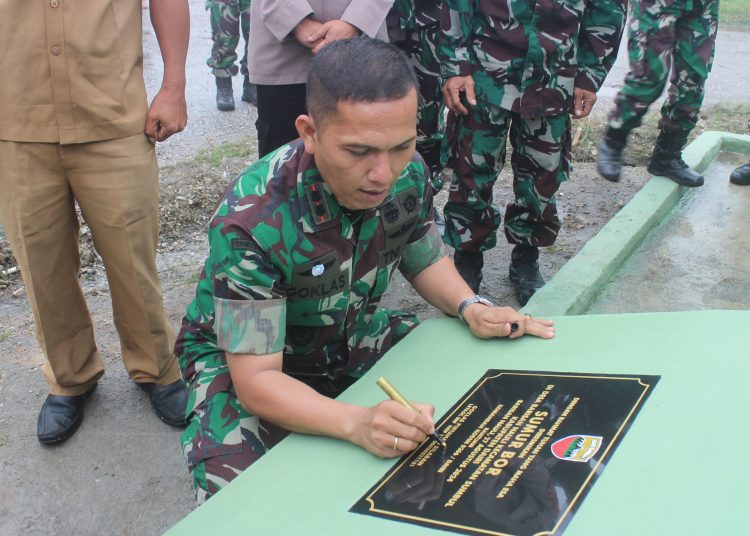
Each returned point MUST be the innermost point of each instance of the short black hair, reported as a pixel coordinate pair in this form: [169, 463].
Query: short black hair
[359, 69]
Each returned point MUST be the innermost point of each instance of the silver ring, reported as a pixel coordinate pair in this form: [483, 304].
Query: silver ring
[395, 443]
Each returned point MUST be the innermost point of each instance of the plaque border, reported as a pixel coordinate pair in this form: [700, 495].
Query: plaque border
[446, 418]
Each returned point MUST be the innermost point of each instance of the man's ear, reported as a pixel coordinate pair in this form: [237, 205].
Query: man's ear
[305, 125]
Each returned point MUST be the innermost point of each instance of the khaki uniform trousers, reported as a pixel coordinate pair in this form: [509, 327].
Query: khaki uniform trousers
[116, 185]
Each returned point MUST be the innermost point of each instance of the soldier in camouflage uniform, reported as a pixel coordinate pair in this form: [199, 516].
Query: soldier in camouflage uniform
[517, 67]
[303, 245]
[413, 26]
[229, 18]
[663, 32]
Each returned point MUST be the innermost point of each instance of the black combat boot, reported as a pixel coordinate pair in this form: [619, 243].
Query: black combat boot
[224, 97]
[524, 272]
[741, 175]
[249, 92]
[469, 265]
[609, 160]
[666, 160]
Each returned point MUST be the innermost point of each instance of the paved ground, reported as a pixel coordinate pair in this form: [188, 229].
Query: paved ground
[123, 472]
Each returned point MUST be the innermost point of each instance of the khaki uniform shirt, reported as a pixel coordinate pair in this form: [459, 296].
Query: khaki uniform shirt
[72, 70]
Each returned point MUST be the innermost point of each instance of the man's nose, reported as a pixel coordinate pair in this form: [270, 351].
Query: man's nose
[380, 169]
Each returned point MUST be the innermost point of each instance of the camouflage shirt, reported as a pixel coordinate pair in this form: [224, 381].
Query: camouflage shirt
[413, 14]
[290, 270]
[526, 56]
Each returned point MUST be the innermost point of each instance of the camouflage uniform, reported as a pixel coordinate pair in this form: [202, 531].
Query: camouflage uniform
[525, 57]
[414, 26]
[291, 270]
[662, 32]
[228, 18]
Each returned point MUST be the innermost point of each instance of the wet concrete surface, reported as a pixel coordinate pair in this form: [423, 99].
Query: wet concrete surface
[698, 258]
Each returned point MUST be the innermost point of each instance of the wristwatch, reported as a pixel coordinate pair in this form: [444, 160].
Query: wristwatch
[468, 301]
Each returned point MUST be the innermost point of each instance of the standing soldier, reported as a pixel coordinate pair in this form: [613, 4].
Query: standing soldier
[663, 32]
[519, 67]
[228, 18]
[414, 26]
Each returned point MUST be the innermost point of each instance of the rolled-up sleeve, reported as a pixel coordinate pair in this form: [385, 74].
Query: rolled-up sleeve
[425, 247]
[249, 310]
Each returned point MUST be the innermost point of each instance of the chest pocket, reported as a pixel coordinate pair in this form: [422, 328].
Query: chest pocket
[318, 293]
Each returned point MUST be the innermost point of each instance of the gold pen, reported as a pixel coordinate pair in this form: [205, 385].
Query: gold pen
[393, 394]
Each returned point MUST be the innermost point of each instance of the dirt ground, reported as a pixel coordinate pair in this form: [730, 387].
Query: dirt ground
[123, 471]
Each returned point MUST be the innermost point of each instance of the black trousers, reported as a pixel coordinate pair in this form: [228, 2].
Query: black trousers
[278, 108]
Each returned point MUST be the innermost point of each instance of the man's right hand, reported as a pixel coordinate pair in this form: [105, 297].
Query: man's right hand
[305, 32]
[388, 429]
[452, 89]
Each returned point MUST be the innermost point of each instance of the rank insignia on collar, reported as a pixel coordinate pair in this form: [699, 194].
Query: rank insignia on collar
[317, 201]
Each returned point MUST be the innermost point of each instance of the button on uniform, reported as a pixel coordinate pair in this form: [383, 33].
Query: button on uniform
[56, 50]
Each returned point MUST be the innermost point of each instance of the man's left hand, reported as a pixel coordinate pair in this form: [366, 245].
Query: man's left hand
[583, 102]
[167, 114]
[330, 31]
[488, 322]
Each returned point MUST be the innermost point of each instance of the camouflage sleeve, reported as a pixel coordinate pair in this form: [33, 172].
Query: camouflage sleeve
[598, 41]
[454, 49]
[425, 247]
[250, 312]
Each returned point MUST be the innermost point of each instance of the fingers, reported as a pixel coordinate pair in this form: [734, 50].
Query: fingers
[319, 33]
[541, 328]
[452, 93]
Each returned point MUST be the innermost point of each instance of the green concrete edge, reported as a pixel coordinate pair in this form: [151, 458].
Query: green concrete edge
[574, 287]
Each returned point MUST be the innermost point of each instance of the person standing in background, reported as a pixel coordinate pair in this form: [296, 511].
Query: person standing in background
[284, 35]
[663, 33]
[229, 18]
[517, 69]
[76, 127]
[414, 26]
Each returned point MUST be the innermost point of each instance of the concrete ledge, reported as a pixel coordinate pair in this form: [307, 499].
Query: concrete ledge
[574, 287]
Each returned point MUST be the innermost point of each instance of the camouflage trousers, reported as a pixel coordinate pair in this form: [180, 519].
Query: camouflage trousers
[475, 148]
[222, 439]
[661, 37]
[420, 46]
[228, 19]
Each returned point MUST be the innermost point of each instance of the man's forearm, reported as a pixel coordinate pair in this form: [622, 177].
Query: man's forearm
[171, 21]
[442, 286]
[267, 392]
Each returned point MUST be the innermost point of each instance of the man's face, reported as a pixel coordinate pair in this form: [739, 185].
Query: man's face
[362, 148]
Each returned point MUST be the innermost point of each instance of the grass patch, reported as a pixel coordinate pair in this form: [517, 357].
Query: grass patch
[215, 156]
[4, 336]
[734, 14]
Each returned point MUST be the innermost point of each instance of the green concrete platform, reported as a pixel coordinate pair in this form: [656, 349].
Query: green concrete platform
[573, 289]
[680, 469]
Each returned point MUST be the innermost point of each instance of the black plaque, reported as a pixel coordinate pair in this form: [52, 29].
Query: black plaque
[523, 450]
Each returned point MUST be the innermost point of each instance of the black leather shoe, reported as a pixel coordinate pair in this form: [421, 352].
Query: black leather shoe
[666, 160]
[469, 265]
[249, 92]
[524, 272]
[169, 401]
[741, 175]
[60, 417]
[609, 160]
[224, 96]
